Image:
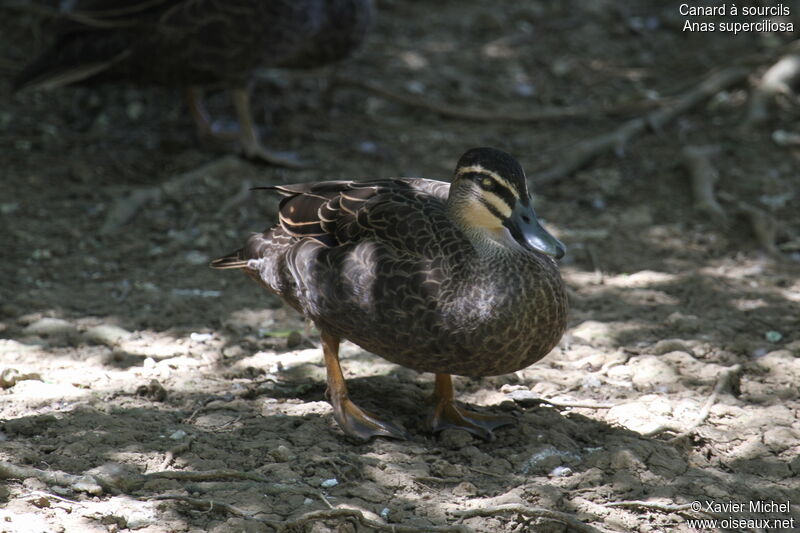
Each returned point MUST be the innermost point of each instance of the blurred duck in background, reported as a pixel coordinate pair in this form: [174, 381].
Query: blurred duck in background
[197, 44]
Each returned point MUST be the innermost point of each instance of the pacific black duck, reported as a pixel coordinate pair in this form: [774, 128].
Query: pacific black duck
[196, 44]
[446, 278]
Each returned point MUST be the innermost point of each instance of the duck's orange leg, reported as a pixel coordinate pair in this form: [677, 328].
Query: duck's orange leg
[353, 420]
[447, 414]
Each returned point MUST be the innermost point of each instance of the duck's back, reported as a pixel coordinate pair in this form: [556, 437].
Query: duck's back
[195, 42]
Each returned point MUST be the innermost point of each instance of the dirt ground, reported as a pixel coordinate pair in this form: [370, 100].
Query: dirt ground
[142, 391]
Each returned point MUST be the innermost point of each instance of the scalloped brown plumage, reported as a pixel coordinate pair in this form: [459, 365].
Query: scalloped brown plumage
[391, 265]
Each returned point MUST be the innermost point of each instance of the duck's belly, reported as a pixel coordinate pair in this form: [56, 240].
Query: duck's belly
[428, 341]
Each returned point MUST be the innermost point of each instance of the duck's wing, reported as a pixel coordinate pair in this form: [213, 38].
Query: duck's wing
[91, 39]
[336, 213]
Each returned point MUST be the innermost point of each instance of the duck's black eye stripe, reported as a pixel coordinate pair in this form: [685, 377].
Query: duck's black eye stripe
[492, 209]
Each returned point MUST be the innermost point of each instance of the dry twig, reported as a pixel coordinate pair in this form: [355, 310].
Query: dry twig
[585, 151]
[85, 483]
[536, 512]
[723, 381]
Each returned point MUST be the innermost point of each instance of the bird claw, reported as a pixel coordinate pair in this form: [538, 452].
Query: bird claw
[448, 415]
[363, 425]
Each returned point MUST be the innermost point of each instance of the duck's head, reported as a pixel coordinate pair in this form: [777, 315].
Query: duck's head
[489, 197]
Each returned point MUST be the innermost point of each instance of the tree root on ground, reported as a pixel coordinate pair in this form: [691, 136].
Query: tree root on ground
[580, 154]
[681, 508]
[779, 79]
[704, 175]
[527, 511]
[724, 381]
[333, 513]
[115, 479]
[124, 209]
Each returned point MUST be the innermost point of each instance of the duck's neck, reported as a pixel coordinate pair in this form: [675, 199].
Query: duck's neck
[490, 244]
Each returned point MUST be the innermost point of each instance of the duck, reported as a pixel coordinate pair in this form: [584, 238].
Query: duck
[454, 278]
[198, 45]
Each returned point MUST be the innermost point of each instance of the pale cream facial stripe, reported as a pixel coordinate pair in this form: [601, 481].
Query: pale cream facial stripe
[480, 170]
[497, 202]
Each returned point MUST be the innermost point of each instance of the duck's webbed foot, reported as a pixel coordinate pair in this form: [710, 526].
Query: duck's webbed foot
[353, 420]
[361, 424]
[447, 414]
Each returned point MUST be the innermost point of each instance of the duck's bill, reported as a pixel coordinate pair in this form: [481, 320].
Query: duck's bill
[526, 230]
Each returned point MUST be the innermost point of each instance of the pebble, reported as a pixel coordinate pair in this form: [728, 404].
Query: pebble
[546, 459]
[329, 483]
[773, 336]
[281, 454]
[668, 345]
[178, 435]
[49, 327]
[201, 337]
[525, 398]
[107, 334]
[561, 471]
[455, 439]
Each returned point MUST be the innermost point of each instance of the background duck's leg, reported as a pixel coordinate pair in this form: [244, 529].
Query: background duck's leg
[207, 130]
[353, 420]
[248, 134]
[447, 414]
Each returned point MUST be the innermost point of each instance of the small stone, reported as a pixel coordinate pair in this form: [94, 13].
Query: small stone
[329, 483]
[50, 327]
[107, 334]
[668, 345]
[281, 454]
[561, 471]
[154, 391]
[773, 336]
[465, 488]
[455, 439]
[525, 398]
[201, 337]
[178, 435]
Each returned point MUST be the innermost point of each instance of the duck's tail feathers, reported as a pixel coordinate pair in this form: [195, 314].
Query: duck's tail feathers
[233, 260]
[57, 68]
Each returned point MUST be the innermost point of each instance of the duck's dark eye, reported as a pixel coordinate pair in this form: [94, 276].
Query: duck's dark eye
[487, 183]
